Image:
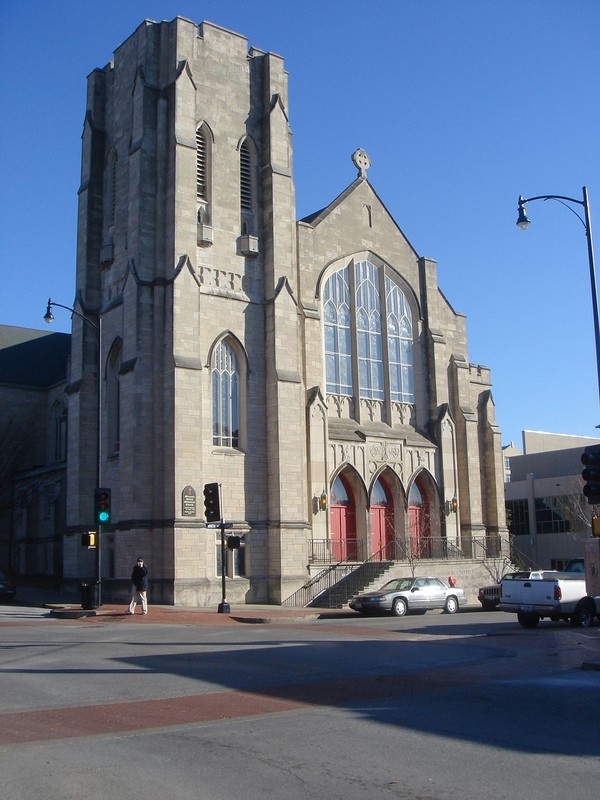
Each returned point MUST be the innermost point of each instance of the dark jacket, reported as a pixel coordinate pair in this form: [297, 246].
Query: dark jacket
[139, 578]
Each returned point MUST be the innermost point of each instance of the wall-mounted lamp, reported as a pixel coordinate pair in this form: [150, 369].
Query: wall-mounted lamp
[452, 505]
[323, 501]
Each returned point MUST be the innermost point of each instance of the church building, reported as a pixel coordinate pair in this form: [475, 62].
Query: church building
[311, 368]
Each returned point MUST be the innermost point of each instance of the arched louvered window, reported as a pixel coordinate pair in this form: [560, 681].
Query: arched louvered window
[201, 164]
[113, 399]
[246, 182]
[112, 199]
[59, 432]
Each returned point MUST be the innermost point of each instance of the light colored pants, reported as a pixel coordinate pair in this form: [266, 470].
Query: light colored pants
[134, 599]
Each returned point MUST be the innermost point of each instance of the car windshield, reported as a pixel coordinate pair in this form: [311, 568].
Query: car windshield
[397, 585]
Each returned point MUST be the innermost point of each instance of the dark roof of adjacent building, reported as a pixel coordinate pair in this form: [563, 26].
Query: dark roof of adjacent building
[33, 359]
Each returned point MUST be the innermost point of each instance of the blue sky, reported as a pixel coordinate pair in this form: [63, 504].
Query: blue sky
[462, 105]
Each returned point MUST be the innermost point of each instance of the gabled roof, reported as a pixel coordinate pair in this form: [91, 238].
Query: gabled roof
[318, 216]
[33, 359]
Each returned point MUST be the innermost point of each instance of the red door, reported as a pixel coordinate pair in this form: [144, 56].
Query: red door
[343, 522]
[418, 520]
[382, 523]
[414, 522]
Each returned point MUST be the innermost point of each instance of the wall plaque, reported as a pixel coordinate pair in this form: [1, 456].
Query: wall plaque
[188, 502]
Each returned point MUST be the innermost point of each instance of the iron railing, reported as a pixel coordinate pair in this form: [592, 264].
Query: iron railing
[348, 573]
[322, 582]
[323, 551]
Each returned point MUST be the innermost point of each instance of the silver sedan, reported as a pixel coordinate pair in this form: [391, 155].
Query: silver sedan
[402, 595]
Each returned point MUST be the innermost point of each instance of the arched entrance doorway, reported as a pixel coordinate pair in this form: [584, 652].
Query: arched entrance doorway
[419, 520]
[343, 521]
[382, 521]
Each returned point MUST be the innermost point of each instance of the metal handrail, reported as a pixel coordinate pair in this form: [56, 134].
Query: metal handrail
[323, 551]
[318, 584]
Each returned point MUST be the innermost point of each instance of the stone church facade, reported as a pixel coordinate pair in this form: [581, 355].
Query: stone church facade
[312, 368]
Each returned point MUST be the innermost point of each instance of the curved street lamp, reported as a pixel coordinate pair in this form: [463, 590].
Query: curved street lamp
[97, 327]
[523, 222]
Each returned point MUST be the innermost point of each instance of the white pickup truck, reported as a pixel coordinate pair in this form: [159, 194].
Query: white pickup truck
[557, 595]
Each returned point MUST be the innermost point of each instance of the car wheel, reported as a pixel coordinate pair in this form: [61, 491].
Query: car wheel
[527, 620]
[399, 608]
[451, 606]
[583, 616]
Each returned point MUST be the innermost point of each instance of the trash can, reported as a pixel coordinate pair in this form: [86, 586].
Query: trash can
[88, 595]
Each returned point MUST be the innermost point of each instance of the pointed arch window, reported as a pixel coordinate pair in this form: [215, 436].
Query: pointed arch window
[204, 179]
[248, 198]
[225, 395]
[368, 330]
[246, 182]
[338, 346]
[201, 165]
[113, 399]
[110, 189]
[368, 334]
[400, 343]
[59, 432]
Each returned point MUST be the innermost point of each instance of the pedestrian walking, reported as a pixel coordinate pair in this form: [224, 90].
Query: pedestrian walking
[139, 587]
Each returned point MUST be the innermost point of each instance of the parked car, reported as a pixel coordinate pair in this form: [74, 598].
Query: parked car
[403, 595]
[489, 596]
[8, 590]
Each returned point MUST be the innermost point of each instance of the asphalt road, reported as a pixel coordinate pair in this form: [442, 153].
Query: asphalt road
[419, 708]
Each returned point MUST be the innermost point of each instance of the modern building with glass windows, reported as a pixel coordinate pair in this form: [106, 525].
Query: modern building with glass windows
[548, 516]
[312, 368]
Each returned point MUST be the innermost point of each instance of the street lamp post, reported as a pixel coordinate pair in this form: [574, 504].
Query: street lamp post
[523, 223]
[97, 327]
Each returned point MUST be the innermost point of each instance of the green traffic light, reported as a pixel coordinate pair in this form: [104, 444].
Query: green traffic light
[103, 516]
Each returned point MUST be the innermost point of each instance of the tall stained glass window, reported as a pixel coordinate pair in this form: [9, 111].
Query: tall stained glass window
[368, 331]
[225, 396]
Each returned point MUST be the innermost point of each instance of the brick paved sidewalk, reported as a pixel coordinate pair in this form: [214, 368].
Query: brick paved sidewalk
[175, 615]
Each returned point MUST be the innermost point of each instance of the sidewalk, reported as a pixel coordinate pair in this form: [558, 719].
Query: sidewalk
[70, 608]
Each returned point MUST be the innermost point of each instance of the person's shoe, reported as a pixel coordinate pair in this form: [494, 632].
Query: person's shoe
[144, 613]
[129, 612]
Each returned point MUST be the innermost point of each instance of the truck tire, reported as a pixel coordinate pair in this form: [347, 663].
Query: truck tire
[584, 614]
[527, 620]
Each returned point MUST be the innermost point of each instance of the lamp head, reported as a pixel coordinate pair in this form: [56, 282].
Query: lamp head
[522, 221]
[49, 316]
[323, 501]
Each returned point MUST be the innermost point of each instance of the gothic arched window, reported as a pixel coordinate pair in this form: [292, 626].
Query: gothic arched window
[225, 396]
[113, 395]
[203, 173]
[58, 444]
[368, 334]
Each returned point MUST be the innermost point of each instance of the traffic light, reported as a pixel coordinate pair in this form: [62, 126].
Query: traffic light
[88, 539]
[212, 506]
[102, 506]
[591, 473]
